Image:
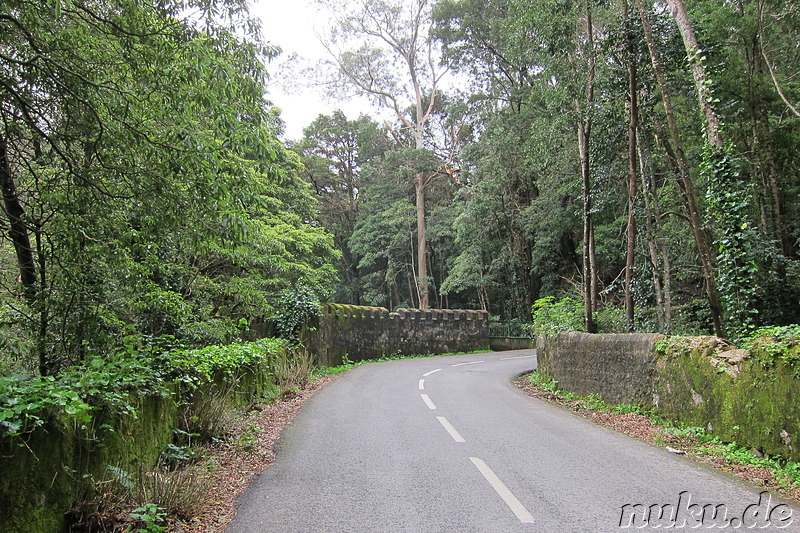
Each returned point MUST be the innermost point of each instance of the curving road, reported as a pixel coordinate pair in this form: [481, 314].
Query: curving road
[449, 444]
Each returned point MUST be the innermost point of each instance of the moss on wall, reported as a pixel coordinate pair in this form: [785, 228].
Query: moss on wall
[748, 396]
[743, 396]
[55, 466]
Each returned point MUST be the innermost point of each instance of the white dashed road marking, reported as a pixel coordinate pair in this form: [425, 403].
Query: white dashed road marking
[513, 503]
[450, 429]
[428, 402]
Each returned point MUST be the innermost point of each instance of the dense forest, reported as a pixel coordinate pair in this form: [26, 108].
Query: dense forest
[635, 160]
[632, 163]
[146, 196]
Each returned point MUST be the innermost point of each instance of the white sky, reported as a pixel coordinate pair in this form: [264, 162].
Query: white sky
[290, 24]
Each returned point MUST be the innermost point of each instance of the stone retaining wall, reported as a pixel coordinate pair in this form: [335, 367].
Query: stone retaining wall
[748, 398]
[618, 367]
[358, 333]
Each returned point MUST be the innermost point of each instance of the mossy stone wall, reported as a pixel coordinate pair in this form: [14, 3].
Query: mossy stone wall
[748, 397]
[741, 396]
[361, 333]
[51, 469]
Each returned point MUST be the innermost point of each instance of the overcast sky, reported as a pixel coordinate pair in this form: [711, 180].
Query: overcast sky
[291, 25]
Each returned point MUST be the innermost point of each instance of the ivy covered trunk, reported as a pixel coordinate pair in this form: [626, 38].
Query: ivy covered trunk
[678, 158]
[18, 229]
[729, 201]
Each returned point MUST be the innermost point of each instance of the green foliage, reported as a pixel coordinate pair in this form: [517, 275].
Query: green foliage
[298, 307]
[249, 437]
[595, 402]
[201, 365]
[112, 383]
[774, 344]
[335, 152]
[152, 518]
[703, 442]
[511, 328]
[551, 317]
[154, 184]
[544, 383]
[729, 202]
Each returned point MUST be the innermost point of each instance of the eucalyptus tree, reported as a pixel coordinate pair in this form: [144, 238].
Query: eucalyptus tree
[384, 49]
[681, 162]
[729, 199]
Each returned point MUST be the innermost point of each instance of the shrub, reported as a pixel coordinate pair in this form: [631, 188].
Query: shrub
[551, 317]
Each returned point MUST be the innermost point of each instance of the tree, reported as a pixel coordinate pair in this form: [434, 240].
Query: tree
[385, 50]
[728, 197]
[142, 177]
[680, 160]
[633, 176]
[335, 152]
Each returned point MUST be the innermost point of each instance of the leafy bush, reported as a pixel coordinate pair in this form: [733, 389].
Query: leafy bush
[27, 403]
[543, 382]
[297, 307]
[610, 319]
[778, 343]
[201, 365]
[106, 384]
[551, 317]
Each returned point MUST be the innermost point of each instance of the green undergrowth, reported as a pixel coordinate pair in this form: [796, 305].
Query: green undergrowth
[699, 442]
[593, 402]
[111, 384]
[693, 441]
[768, 345]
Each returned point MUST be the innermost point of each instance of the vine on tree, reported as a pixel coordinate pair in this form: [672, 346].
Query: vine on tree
[729, 200]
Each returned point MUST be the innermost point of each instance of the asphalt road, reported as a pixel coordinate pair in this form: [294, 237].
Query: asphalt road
[449, 444]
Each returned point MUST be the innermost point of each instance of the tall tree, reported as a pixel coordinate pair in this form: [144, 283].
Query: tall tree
[385, 50]
[142, 175]
[335, 152]
[687, 184]
[633, 178]
[584, 112]
[729, 199]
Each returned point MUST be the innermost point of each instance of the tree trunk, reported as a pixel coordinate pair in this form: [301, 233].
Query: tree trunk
[701, 80]
[633, 125]
[700, 238]
[584, 134]
[588, 270]
[659, 254]
[422, 263]
[18, 230]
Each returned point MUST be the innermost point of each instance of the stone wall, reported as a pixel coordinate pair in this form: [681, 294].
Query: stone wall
[750, 398]
[44, 473]
[746, 397]
[618, 367]
[360, 333]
